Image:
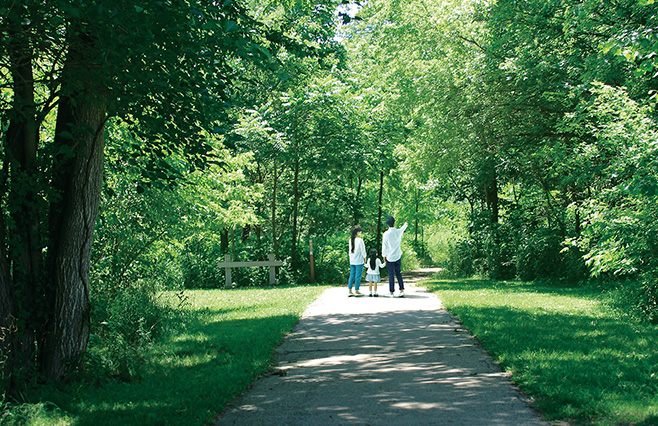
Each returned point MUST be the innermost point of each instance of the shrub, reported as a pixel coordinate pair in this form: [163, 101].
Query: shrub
[463, 256]
[198, 261]
[124, 324]
[538, 254]
[637, 297]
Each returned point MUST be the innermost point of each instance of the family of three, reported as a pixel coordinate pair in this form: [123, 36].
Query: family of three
[391, 252]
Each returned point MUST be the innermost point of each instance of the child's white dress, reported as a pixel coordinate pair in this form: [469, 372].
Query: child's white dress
[372, 275]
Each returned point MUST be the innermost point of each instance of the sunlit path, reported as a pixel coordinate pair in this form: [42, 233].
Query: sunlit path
[381, 361]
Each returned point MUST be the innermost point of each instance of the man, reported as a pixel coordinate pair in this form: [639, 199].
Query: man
[392, 254]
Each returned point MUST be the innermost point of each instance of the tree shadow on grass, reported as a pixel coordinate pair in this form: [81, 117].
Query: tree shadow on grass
[191, 377]
[588, 367]
[513, 286]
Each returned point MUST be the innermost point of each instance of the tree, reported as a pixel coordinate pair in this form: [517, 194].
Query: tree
[165, 68]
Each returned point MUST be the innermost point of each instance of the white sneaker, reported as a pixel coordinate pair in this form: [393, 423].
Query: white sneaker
[390, 295]
[401, 294]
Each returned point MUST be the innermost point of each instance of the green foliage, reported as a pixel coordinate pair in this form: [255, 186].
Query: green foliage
[125, 325]
[410, 258]
[41, 414]
[504, 110]
[637, 296]
[198, 260]
[161, 74]
[579, 360]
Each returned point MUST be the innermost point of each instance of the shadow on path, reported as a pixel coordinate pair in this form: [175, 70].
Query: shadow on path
[381, 361]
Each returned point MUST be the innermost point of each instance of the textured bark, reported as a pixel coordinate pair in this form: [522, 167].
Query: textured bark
[78, 172]
[72, 225]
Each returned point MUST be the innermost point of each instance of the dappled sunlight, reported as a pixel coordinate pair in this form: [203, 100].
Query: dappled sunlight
[381, 360]
[562, 345]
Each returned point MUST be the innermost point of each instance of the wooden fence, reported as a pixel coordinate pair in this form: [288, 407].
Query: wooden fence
[228, 264]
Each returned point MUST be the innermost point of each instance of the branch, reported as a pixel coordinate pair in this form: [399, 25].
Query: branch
[472, 42]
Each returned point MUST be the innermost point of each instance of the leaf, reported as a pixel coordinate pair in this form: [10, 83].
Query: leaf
[65, 150]
[231, 26]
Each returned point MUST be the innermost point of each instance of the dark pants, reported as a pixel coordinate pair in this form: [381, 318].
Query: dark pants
[394, 268]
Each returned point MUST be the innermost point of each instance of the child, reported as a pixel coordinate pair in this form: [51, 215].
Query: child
[372, 276]
[357, 254]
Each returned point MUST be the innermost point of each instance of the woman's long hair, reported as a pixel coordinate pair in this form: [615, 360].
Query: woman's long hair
[355, 231]
[373, 258]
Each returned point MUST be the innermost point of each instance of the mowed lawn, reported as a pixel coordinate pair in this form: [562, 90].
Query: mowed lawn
[579, 359]
[225, 340]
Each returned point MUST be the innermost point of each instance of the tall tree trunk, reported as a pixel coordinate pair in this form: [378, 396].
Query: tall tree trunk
[275, 182]
[356, 212]
[491, 195]
[417, 207]
[295, 213]
[77, 176]
[6, 315]
[21, 266]
[379, 212]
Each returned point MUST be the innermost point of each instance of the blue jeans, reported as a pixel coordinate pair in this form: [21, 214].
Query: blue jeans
[394, 270]
[356, 271]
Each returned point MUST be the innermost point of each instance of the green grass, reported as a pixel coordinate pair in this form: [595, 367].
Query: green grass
[227, 338]
[577, 358]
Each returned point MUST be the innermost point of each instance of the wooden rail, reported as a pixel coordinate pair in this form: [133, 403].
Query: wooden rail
[228, 264]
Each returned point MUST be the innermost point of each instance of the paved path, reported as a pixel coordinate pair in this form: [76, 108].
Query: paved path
[381, 361]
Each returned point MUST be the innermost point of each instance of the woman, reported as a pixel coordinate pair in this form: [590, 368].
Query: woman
[357, 261]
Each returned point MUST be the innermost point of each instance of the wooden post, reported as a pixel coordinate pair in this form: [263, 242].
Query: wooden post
[227, 272]
[270, 257]
[310, 244]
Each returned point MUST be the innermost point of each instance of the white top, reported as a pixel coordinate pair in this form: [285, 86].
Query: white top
[378, 264]
[359, 255]
[391, 241]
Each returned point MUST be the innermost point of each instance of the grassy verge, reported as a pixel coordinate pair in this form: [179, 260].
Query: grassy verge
[226, 339]
[578, 359]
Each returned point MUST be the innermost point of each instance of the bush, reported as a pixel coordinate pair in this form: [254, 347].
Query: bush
[637, 297]
[538, 254]
[645, 296]
[124, 325]
[410, 259]
[486, 253]
[198, 261]
[331, 264]
[463, 256]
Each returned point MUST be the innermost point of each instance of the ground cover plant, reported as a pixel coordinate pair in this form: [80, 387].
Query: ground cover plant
[578, 358]
[226, 339]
